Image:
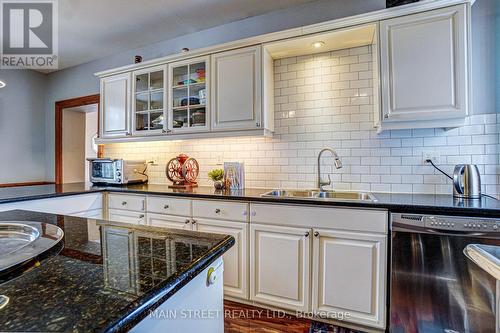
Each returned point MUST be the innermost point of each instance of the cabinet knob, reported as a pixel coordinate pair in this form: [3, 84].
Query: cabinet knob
[193, 221]
[141, 216]
[128, 134]
[386, 115]
[306, 234]
[166, 207]
[316, 234]
[124, 203]
[245, 213]
[257, 124]
[217, 211]
[164, 131]
[253, 213]
[187, 221]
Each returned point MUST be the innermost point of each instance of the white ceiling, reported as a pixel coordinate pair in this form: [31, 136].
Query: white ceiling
[92, 29]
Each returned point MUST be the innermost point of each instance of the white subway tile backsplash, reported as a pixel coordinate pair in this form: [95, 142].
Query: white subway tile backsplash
[326, 100]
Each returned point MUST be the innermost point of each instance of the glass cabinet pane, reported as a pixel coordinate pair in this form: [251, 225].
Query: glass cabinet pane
[141, 83]
[141, 102]
[149, 104]
[141, 121]
[156, 120]
[156, 80]
[189, 96]
[197, 117]
[156, 101]
[180, 118]
[180, 76]
[198, 94]
[197, 72]
[180, 97]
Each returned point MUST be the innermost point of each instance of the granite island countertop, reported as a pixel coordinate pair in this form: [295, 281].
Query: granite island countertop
[82, 284]
[394, 202]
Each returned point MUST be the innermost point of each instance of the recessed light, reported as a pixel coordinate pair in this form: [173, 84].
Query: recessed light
[318, 44]
[2, 84]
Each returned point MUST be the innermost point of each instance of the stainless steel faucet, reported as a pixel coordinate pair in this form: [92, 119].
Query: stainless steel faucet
[337, 162]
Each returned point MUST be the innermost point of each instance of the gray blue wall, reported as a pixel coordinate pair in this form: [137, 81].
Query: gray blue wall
[22, 130]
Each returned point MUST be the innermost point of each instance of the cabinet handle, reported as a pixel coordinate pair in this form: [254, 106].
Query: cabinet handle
[124, 203]
[128, 134]
[217, 211]
[164, 131]
[193, 221]
[143, 205]
[187, 221]
[141, 216]
[306, 234]
[386, 115]
[245, 213]
[253, 213]
[316, 234]
[166, 207]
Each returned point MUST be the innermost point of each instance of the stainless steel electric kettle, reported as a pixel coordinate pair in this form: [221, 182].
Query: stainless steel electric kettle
[466, 181]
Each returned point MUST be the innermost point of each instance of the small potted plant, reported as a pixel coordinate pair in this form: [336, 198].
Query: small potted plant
[217, 176]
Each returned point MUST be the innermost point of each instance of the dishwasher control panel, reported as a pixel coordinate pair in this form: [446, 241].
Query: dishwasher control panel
[442, 222]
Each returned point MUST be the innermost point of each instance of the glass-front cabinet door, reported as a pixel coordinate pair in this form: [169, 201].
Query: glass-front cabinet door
[149, 112]
[188, 95]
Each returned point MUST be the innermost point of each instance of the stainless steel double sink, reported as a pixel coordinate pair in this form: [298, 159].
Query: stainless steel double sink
[321, 195]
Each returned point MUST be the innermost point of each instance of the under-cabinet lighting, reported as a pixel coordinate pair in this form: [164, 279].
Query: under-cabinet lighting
[2, 84]
[318, 44]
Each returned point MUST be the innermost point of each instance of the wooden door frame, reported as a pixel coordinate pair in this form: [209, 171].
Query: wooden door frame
[59, 107]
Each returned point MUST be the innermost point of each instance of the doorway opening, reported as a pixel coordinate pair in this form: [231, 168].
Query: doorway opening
[76, 127]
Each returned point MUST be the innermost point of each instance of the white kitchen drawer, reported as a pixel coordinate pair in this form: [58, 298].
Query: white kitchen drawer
[169, 221]
[120, 215]
[170, 206]
[214, 209]
[367, 220]
[128, 202]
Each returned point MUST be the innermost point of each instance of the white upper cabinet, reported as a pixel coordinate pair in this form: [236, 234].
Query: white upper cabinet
[237, 89]
[424, 69]
[115, 106]
[188, 102]
[149, 95]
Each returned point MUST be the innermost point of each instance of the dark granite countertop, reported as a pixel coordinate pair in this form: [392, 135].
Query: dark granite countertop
[84, 285]
[395, 202]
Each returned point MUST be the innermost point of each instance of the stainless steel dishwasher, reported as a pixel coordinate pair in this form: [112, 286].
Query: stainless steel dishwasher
[434, 287]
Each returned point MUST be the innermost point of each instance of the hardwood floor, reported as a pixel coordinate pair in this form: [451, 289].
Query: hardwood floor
[242, 318]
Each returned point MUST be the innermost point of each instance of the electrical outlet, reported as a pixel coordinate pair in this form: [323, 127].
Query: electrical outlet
[432, 155]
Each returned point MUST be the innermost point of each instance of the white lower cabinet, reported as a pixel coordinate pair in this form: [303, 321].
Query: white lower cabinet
[169, 221]
[348, 276]
[236, 259]
[126, 216]
[280, 266]
[331, 261]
